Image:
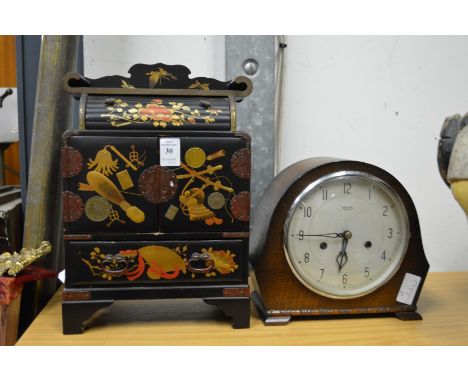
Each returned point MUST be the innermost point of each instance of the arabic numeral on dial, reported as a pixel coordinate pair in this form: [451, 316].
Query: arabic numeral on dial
[307, 212]
[345, 279]
[301, 234]
[306, 257]
[370, 191]
[322, 270]
[366, 272]
[390, 233]
[383, 257]
[385, 210]
[347, 188]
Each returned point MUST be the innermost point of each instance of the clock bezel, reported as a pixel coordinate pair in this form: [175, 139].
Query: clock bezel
[316, 183]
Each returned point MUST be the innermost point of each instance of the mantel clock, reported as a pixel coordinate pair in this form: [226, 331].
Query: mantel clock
[336, 237]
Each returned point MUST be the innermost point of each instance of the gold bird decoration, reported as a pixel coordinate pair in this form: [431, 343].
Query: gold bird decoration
[156, 76]
[199, 85]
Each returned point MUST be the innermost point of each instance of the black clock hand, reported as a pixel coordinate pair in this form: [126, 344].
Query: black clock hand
[342, 257]
[329, 235]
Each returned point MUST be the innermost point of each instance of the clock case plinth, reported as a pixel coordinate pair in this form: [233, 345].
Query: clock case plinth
[278, 295]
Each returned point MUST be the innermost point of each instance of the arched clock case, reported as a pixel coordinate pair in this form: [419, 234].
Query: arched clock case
[335, 237]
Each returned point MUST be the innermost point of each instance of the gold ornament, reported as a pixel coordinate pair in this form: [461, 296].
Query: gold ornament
[163, 262]
[135, 157]
[125, 180]
[121, 156]
[103, 162]
[114, 217]
[156, 76]
[107, 189]
[171, 212]
[216, 200]
[223, 260]
[195, 157]
[191, 202]
[97, 209]
[196, 174]
[16, 262]
[209, 170]
[216, 155]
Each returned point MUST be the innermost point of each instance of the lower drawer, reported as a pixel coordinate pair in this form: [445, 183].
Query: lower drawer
[126, 263]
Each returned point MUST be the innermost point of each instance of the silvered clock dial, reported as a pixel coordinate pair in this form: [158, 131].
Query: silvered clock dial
[346, 234]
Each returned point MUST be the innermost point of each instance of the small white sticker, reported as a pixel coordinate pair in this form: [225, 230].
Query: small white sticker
[408, 289]
[169, 152]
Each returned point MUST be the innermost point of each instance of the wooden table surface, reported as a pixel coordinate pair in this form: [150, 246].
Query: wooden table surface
[443, 304]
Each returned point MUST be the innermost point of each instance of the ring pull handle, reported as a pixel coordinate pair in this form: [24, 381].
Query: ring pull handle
[197, 259]
[115, 265]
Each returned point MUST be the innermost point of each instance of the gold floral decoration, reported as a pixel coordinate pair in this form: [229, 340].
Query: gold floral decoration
[158, 113]
[100, 266]
[223, 261]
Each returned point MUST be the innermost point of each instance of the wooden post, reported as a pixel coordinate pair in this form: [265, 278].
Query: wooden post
[10, 300]
[52, 117]
[9, 317]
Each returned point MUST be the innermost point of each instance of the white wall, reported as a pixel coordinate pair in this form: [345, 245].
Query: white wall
[375, 99]
[106, 55]
[383, 100]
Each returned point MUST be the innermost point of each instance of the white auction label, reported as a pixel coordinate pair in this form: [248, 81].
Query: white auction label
[169, 152]
[408, 289]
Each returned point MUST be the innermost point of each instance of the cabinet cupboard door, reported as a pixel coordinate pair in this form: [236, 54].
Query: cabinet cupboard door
[101, 176]
[213, 180]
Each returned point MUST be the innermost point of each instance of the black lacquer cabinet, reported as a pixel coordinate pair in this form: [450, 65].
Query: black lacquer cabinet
[156, 193]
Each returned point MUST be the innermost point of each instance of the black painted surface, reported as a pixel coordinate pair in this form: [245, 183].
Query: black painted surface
[158, 113]
[79, 274]
[89, 147]
[157, 215]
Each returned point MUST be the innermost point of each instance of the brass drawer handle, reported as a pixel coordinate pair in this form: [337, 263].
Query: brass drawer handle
[115, 265]
[200, 257]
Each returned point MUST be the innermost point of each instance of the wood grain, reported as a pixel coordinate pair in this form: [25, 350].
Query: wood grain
[8, 80]
[8, 60]
[443, 304]
[9, 318]
[281, 290]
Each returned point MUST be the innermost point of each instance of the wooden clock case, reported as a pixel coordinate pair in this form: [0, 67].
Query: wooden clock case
[278, 294]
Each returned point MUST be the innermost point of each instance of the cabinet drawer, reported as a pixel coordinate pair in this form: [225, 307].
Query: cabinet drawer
[126, 263]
